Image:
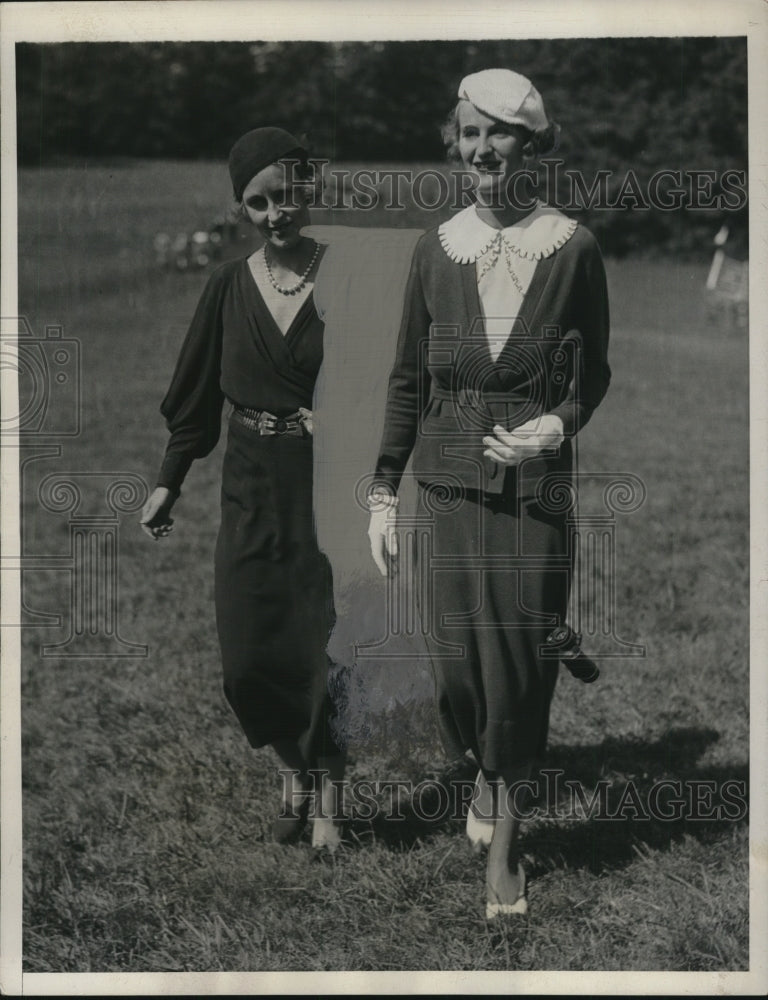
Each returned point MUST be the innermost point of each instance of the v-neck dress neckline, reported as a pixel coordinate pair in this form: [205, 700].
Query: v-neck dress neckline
[294, 326]
[465, 238]
[523, 322]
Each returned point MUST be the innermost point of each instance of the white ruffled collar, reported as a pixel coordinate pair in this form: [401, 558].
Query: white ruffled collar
[466, 237]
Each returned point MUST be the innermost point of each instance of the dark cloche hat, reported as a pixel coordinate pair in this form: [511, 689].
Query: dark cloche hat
[256, 150]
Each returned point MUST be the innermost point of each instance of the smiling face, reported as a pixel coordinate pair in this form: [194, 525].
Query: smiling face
[490, 150]
[275, 206]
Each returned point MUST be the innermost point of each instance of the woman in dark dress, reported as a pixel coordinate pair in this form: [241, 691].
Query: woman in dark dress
[501, 359]
[256, 341]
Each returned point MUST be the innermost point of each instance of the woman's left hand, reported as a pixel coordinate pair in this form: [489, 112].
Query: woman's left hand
[526, 441]
[307, 419]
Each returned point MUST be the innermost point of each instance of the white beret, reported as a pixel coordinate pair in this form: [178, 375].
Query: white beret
[507, 96]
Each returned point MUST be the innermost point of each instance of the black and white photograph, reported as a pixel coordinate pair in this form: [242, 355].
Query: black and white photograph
[383, 454]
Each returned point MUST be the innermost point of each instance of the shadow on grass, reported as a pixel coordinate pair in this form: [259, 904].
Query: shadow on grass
[596, 805]
[654, 793]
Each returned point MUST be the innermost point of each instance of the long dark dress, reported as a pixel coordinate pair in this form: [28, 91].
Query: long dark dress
[493, 552]
[274, 604]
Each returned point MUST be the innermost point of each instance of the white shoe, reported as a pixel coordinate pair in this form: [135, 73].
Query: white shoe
[480, 831]
[494, 908]
[326, 835]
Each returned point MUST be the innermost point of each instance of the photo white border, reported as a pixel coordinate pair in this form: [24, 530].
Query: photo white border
[328, 20]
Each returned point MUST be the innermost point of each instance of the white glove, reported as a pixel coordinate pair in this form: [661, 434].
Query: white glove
[382, 532]
[526, 441]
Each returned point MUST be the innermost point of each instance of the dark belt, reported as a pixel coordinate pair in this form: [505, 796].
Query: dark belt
[263, 422]
[477, 398]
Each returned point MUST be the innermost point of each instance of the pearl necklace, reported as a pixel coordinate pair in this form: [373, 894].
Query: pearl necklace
[302, 280]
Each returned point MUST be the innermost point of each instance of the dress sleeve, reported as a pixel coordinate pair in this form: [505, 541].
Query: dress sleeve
[408, 388]
[193, 404]
[592, 374]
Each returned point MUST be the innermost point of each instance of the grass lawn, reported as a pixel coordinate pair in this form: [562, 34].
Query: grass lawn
[146, 816]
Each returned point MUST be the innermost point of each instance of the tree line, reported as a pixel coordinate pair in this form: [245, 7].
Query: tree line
[630, 109]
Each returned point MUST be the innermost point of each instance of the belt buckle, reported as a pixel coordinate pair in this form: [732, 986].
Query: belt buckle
[270, 424]
[264, 423]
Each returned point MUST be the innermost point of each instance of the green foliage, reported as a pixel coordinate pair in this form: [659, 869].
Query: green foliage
[622, 97]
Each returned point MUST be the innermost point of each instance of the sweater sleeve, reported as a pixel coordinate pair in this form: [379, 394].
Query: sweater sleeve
[408, 388]
[592, 373]
[193, 404]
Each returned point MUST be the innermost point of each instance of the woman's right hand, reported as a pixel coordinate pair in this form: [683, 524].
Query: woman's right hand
[382, 533]
[155, 517]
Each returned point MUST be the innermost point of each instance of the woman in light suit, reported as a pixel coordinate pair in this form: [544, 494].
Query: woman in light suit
[501, 360]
